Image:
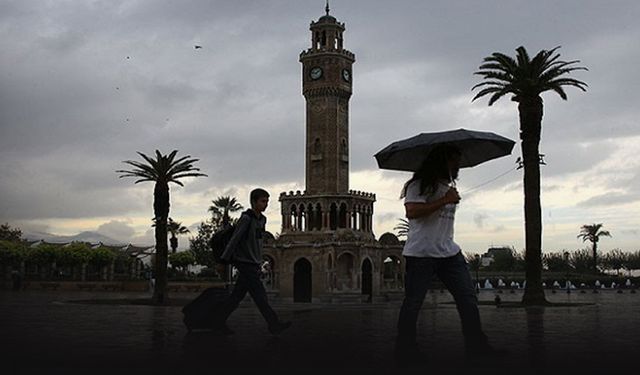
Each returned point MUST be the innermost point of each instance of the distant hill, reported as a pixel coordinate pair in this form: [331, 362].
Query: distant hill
[87, 236]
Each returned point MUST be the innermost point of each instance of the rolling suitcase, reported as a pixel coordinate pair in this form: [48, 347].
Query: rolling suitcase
[201, 312]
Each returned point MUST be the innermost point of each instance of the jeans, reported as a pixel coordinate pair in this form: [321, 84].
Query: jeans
[248, 281]
[453, 272]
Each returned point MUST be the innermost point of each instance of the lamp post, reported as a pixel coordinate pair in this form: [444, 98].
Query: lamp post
[566, 265]
[477, 257]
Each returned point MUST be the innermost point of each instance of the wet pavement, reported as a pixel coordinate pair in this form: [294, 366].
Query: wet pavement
[53, 329]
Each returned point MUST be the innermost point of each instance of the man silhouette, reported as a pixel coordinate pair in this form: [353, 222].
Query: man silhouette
[244, 251]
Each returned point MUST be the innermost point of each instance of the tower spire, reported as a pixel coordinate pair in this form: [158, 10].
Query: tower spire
[326, 9]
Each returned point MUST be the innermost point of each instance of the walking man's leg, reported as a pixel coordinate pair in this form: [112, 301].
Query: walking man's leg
[250, 273]
[231, 303]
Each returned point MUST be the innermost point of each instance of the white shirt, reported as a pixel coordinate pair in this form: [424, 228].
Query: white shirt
[432, 235]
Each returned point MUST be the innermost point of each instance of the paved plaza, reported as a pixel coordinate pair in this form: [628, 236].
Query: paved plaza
[57, 329]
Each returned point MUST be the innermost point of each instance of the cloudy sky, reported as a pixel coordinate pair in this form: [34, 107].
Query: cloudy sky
[86, 84]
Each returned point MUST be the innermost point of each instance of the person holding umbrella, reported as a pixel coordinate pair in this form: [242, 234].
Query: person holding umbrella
[430, 200]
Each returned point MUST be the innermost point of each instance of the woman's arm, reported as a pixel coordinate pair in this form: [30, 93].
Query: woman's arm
[415, 209]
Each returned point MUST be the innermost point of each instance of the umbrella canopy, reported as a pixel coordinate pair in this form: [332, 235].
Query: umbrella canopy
[476, 148]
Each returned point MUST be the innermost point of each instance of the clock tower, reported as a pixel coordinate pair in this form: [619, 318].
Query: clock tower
[326, 250]
[326, 86]
[327, 208]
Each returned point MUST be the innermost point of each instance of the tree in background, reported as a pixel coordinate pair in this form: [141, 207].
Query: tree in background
[581, 261]
[8, 234]
[221, 208]
[402, 227]
[44, 256]
[525, 79]
[633, 261]
[182, 260]
[74, 255]
[507, 260]
[220, 217]
[592, 233]
[175, 229]
[557, 262]
[12, 253]
[161, 171]
[616, 260]
[100, 258]
[199, 245]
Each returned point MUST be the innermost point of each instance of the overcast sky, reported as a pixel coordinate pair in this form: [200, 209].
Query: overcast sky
[86, 84]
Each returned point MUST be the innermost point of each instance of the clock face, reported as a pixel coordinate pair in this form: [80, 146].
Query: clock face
[315, 73]
[346, 75]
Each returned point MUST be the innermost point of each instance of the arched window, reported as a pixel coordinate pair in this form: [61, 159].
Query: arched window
[333, 217]
[318, 214]
[343, 216]
[311, 217]
[293, 218]
[302, 218]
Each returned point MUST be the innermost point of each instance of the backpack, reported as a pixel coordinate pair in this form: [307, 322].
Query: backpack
[219, 241]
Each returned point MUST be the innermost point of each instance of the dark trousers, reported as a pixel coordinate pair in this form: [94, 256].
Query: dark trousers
[454, 274]
[248, 281]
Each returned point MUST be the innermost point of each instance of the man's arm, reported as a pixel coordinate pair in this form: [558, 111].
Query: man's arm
[415, 210]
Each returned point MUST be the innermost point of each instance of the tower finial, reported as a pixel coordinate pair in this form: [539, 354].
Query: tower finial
[327, 8]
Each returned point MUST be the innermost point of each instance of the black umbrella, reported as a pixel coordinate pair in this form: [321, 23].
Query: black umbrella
[476, 148]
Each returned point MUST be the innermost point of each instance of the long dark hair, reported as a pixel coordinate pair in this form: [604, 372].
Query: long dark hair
[433, 169]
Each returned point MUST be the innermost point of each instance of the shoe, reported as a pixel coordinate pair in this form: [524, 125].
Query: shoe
[279, 327]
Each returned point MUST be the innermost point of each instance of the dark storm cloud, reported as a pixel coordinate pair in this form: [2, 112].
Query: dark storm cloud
[84, 85]
[610, 199]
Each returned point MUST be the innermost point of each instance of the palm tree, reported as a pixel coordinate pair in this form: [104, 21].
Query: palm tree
[162, 170]
[175, 228]
[402, 227]
[222, 206]
[593, 233]
[526, 79]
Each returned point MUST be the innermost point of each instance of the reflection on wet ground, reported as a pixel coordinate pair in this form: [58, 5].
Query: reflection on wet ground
[46, 330]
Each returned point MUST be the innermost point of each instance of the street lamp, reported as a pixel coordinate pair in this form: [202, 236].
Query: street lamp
[566, 265]
[477, 268]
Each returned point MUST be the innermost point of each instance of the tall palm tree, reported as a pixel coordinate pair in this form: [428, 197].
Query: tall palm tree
[175, 228]
[222, 206]
[162, 170]
[526, 79]
[592, 233]
[402, 227]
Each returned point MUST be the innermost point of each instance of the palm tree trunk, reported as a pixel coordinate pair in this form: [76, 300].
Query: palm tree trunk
[174, 243]
[161, 209]
[530, 128]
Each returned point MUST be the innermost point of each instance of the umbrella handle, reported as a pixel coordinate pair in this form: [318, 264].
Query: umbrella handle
[451, 180]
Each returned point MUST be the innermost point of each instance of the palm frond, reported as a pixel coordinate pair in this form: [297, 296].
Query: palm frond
[525, 77]
[494, 66]
[495, 97]
[558, 89]
[492, 83]
[523, 57]
[162, 168]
